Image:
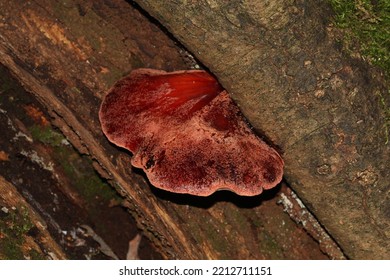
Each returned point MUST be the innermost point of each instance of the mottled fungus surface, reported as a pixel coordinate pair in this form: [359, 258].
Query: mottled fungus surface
[187, 134]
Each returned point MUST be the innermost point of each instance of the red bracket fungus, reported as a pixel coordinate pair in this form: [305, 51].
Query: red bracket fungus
[187, 134]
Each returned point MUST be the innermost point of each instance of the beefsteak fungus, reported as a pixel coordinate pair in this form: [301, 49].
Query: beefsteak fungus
[187, 134]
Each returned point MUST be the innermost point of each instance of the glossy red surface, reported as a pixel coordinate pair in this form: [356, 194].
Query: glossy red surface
[187, 134]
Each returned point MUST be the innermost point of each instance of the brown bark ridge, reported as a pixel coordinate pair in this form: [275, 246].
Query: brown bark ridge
[67, 54]
[280, 63]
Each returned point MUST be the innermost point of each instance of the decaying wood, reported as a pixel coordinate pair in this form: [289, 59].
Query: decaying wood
[280, 63]
[42, 243]
[68, 53]
[58, 78]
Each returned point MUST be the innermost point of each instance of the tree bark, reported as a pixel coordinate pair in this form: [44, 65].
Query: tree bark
[24, 220]
[281, 63]
[67, 54]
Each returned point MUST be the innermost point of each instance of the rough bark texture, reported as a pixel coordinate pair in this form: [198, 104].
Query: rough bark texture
[30, 237]
[59, 183]
[280, 63]
[67, 54]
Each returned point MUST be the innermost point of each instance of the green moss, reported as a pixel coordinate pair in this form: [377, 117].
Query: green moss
[21, 221]
[368, 25]
[79, 172]
[46, 135]
[79, 168]
[11, 249]
[91, 186]
[13, 227]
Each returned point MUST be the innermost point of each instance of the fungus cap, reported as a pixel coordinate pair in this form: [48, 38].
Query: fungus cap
[187, 134]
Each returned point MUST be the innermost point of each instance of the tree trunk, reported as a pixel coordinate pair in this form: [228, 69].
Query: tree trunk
[280, 62]
[67, 54]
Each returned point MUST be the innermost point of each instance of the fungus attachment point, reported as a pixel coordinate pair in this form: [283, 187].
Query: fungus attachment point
[187, 134]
